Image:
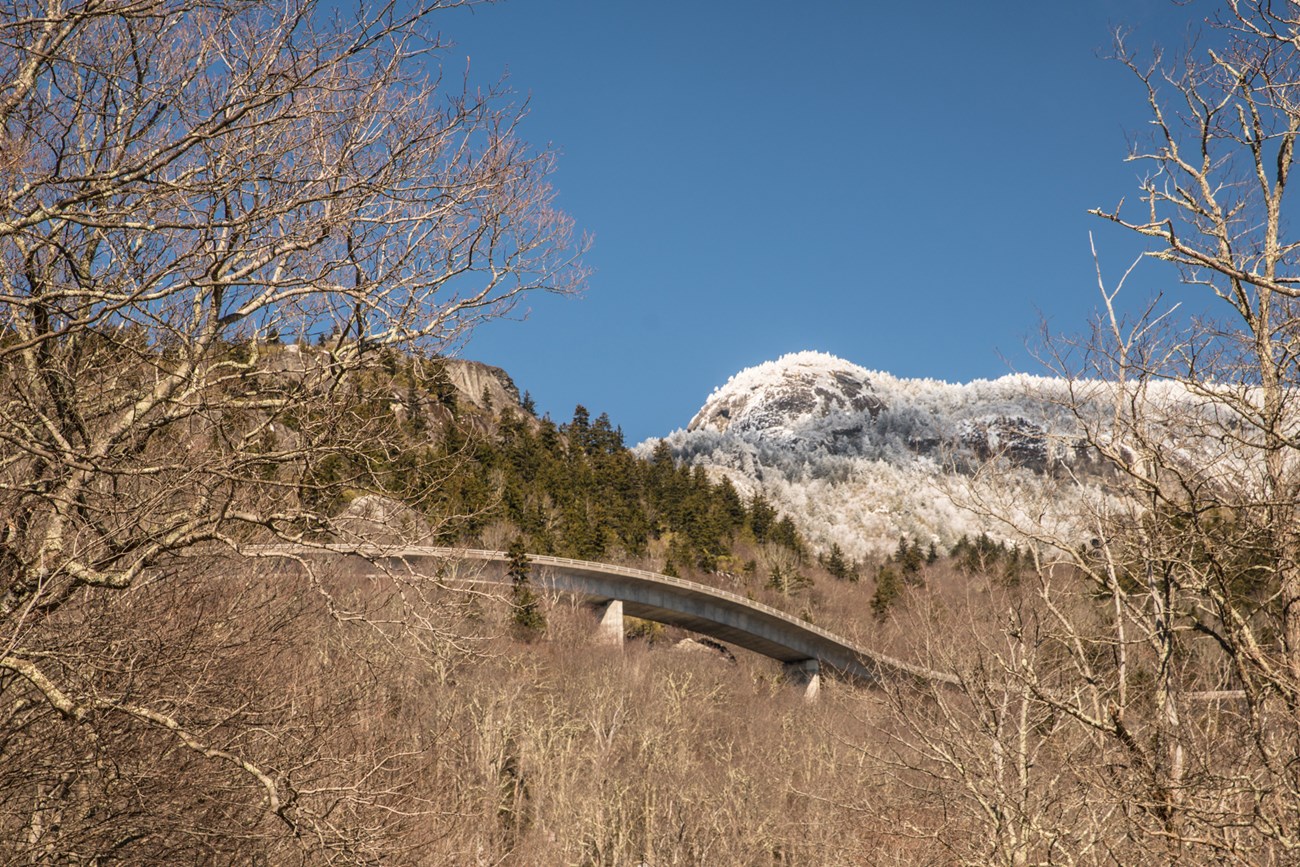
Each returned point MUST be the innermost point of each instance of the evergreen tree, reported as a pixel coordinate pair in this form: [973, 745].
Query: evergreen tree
[908, 556]
[733, 510]
[578, 431]
[440, 385]
[761, 517]
[981, 555]
[1011, 565]
[787, 535]
[838, 566]
[888, 589]
[661, 457]
[414, 407]
[603, 439]
[786, 582]
[549, 438]
[527, 404]
[528, 619]
[778, 581]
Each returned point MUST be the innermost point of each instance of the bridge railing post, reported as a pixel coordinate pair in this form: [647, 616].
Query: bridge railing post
[805, 677]
[609, 626]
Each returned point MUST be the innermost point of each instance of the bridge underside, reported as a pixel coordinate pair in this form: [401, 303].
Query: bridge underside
[702, 610]
[705, 626]
[803, 647]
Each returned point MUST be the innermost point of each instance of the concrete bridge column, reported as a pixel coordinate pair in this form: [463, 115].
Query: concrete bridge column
[609, 629]
[805, 677]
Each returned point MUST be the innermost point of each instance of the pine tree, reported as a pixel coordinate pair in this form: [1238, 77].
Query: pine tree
[900, 553]
[761, 517]
[440, 385]
[733, 510]
[603, 438]
[838, 566]
[777, 579]
[785, 582]
[528, 619]
[982, 555]
[1011, 567]
[787, 535]
[414, 407]
[578, 431]
[888, 589]
[908, 556]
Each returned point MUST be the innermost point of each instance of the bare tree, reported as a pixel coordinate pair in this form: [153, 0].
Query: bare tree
[185, 187]
[1213, 561]
[1167, 613]
[1215, 196]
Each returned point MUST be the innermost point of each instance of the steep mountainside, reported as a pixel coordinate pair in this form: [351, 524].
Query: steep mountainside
[861, 457]
[465, 461]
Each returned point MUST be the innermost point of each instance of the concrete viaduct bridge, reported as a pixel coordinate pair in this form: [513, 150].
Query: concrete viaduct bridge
[804, 649]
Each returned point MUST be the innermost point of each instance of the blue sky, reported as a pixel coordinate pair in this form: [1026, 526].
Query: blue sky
[900, 184]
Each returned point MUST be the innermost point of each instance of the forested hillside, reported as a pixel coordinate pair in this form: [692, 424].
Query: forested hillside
[485, 474]
[245, 709]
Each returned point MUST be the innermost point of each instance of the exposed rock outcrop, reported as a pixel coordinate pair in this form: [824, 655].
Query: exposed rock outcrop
[782, 397]
[482, 385]
[374, 520]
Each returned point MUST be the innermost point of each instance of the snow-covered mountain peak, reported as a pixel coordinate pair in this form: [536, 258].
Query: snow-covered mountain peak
[861, 456]
[781, 397]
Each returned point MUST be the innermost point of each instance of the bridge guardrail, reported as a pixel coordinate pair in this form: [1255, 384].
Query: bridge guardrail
[377, 552]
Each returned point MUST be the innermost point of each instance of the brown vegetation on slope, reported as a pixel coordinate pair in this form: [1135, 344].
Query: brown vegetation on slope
[1130, 697]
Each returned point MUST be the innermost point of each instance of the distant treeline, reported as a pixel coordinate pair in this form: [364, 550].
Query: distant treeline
[575, 490]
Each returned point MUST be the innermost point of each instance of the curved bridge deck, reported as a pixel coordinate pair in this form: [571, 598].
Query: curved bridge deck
[702, 609]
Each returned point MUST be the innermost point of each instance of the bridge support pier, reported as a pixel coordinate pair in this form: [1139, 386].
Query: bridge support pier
[609, 628]
[805, 677]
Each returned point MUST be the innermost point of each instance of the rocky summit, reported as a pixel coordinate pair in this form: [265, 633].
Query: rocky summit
[860, 457]
[783, 397]
[811, 400]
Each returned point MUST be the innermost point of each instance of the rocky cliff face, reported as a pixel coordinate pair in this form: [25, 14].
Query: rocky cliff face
[482, 385]
[476, 384]
[481, 391]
